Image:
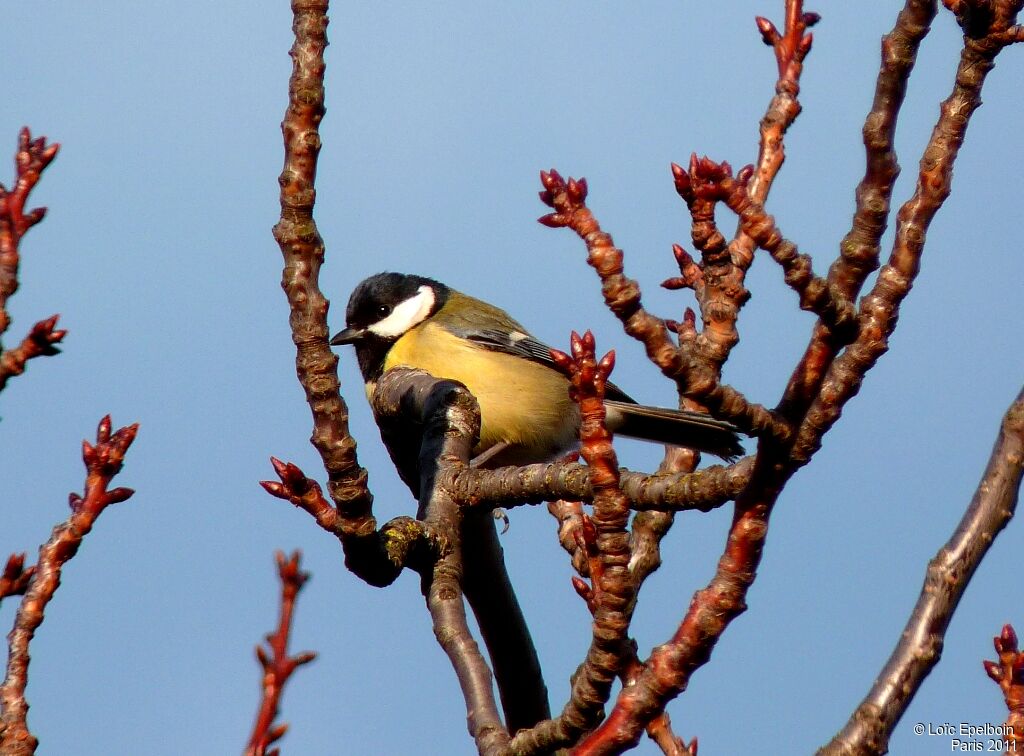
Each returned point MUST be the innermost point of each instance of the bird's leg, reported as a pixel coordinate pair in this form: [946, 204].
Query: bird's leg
[484, 457]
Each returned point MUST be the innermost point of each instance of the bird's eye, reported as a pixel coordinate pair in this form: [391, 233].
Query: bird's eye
[383, 310]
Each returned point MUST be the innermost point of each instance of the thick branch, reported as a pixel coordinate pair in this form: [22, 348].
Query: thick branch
[450, 422]
[702, 490]
[439, 418]
[303, 250]
[949, 572]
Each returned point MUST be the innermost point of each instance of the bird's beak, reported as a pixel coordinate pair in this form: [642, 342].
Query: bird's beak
[348, 336]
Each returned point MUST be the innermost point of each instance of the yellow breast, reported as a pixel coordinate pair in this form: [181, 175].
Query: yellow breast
[523, 403]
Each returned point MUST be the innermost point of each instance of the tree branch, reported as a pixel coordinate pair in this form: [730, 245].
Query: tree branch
[31, 159]
[378, 557]
[103, 460]
[277, 665]
[860, 248]
[724, 292]
[879, 309]
[621, 294]
[704, 490]
[949, 572]
[450, 419]
[303, 250]
[605, 540]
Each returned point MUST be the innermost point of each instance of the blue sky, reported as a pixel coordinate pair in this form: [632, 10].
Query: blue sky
[157, 253]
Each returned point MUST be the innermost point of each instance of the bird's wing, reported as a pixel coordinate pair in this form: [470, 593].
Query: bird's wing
[522, 344]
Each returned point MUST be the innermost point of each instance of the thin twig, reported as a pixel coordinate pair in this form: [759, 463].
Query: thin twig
[277, 665]
[377, 558]
[621, 294]
[31, 159]
[103, 460]
[38, 343]
[724, 292]
[16, 577]
[1008, 673]
[828, 303]
[605, 540]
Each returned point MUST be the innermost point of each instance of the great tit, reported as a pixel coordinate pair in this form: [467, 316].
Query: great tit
[526, 414]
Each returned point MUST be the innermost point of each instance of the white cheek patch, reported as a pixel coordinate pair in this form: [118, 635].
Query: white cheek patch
[406, 315]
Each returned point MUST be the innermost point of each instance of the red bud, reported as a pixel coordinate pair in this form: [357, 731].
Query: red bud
[576, 345]
[117, 495]
[675, 283]
[588, 530]
[769, 34]
[1009, 637]
[993, 670]
[561, 359]
[15, 565]
[103, 430]
[304, 658]
[582, 588]
[88, 454]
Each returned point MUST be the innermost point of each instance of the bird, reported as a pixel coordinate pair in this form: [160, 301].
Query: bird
[526, 416]
[526, 413]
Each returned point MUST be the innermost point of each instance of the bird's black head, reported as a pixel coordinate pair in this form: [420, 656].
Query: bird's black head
[384, 307]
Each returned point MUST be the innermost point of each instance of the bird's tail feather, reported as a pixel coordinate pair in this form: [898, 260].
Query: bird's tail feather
[675, 427]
